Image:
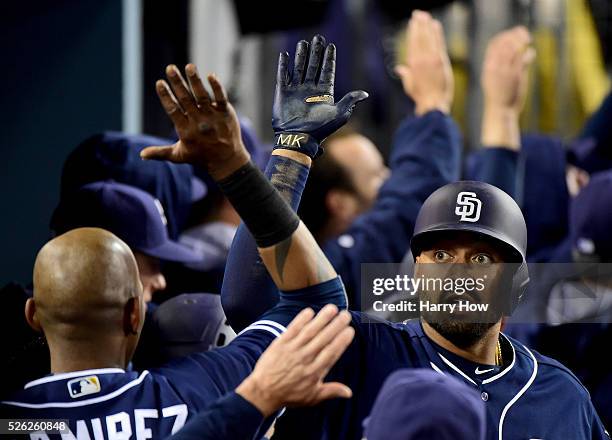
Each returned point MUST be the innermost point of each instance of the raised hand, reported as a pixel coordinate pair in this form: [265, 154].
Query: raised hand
[426, 70]
[291, 371]
[505, 68]
[208, 128]
[504, 84]
[304, 111]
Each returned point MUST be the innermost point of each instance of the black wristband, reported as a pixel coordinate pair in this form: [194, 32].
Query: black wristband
[301, 142]
[262, 209]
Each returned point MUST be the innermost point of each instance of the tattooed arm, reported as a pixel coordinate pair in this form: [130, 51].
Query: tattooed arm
[297, 261]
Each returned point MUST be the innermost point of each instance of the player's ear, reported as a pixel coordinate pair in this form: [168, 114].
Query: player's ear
[132, 316]
[30, 315]
[417, 268]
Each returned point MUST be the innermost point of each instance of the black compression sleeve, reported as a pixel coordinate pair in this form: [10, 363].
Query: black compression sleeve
[262, 209]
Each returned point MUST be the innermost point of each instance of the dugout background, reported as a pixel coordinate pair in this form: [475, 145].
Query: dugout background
[72, 68]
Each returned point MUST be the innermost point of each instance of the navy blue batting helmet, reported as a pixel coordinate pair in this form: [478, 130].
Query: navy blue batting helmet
[479, 208]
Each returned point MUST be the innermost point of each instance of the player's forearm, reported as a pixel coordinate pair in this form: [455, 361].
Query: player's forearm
[500, 128]
[245, 271]
[289, 252]
[297, 262]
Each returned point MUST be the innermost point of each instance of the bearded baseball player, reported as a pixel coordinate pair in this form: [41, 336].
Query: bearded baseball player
[471, 225]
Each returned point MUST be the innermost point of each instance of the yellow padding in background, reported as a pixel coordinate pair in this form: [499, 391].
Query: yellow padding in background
[586, 62]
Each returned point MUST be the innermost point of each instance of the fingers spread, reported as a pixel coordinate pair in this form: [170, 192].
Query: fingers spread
[218, 91]
[314, 60]
[200, 94]
[299, 64]
[171, 106]
[181, 91]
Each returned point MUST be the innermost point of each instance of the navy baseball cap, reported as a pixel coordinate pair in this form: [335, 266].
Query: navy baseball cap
[116, 156]
[202, 325]
[590, 218]
[130, 213]
[424, 404]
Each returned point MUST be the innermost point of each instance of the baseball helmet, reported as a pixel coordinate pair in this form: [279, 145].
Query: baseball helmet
[479, 208]
[190, 323]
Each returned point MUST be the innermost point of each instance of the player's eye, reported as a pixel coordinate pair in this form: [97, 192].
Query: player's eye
[482, 259]
[442, 257]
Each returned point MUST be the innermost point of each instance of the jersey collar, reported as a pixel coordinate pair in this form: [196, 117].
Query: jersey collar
[60, 376]
[473, 372]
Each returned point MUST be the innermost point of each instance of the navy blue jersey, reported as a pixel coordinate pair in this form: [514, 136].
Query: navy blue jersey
[219, 421]
[114, 404]
[531, 397]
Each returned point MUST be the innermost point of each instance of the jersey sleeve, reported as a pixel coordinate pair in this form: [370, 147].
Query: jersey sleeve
[248, 290]
[230, 417]
[202, 378]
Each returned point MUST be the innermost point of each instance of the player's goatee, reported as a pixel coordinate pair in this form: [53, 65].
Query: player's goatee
[461, 334]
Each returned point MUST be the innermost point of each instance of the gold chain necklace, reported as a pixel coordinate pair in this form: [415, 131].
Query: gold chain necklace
[498, 355]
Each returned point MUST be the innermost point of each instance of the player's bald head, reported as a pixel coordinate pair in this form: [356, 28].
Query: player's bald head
[83, 281]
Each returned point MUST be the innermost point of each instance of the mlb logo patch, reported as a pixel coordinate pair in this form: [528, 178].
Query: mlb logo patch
[83, 386]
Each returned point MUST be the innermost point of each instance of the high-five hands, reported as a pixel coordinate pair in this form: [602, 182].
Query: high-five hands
[304, 112]
[426, 70]
[208, 129]
[291, 371]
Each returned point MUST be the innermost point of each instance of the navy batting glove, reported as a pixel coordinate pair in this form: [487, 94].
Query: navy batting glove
[304, 112]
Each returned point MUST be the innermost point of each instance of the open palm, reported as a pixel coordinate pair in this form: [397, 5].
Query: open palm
[208, 130]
